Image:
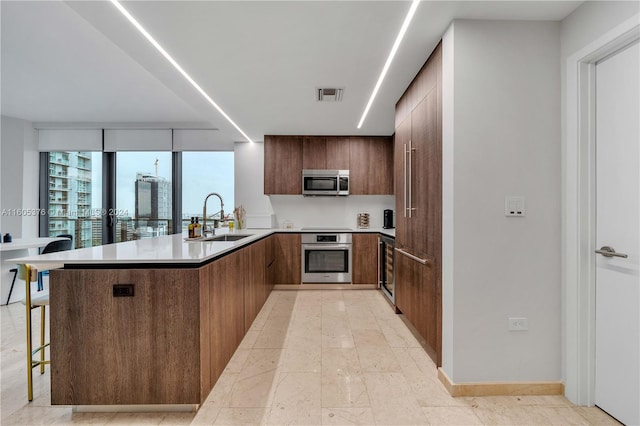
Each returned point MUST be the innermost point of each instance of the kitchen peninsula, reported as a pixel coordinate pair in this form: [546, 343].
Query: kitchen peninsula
[153, 321]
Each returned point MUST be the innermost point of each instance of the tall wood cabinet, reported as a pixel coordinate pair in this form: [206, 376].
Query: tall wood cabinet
[418, 174]
[402, 138]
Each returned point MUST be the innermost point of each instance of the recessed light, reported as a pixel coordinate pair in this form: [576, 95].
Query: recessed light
[394, 49]
[175, 64]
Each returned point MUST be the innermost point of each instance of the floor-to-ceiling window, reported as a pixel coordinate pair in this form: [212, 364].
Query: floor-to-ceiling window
[75, 196]
[202, 174]
[122, 192]
[143, 195]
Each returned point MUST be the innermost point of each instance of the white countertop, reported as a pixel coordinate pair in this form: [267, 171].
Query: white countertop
[167, 249]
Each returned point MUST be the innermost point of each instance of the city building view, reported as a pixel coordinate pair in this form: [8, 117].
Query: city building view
[152, 206]
[144, 199]
[70, 210]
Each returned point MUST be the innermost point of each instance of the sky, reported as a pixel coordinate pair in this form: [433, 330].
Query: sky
[202, 173]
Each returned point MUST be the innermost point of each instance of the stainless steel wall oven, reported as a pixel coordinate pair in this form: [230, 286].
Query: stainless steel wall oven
[326, 258]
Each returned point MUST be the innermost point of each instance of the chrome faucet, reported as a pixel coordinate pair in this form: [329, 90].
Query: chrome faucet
[204, 212]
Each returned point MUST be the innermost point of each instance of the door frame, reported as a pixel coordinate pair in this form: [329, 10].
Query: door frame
[578, 211]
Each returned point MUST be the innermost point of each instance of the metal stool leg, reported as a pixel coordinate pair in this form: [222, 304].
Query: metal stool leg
[29, 345]
[29, 275]
[42, 346]
[15, 274]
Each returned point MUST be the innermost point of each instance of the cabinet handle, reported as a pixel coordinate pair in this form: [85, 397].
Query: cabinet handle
[411, 149]
[416, 258]
[405, 179]
[410, 177]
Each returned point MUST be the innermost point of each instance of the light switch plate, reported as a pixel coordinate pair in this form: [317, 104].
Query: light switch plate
[518, 324]
[514, 206]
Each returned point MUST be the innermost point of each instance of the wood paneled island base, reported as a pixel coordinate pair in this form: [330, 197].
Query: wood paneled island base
[166, 344]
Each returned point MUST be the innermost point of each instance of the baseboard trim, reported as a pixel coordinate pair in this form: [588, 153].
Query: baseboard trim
[325, 286]
[135, 408]
[500, 388]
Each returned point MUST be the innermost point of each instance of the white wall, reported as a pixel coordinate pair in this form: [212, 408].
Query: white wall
[448, 64]
[330, 211]
[20, 171]
[589, 27]
[249, 178]
[591, 20]
[505, 131]
[300, 211]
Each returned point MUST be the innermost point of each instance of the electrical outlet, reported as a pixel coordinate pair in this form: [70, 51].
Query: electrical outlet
[518, 324]
[123, 290]
[514, 206]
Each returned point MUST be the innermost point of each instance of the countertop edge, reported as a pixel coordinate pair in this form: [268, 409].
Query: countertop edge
[217, 249]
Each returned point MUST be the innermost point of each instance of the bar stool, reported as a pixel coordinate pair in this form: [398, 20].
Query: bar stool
[53, 247]
[29, 274]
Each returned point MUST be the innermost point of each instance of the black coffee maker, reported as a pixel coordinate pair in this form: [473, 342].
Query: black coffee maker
[387, 222]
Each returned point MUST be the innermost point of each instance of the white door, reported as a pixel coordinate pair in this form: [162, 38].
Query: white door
[618, 226]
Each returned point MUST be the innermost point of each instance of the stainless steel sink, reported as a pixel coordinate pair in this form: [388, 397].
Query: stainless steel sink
[226, 237]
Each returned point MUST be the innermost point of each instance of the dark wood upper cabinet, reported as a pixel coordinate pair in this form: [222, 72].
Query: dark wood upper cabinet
[282, 165]
[328, 153]
[369, 160]
[338, 153]
[371, 165]
[314, 153]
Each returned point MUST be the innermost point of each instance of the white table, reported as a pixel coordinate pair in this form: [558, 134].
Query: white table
[19, 247]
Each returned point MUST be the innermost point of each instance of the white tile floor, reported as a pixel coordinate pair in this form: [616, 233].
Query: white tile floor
[311, 357]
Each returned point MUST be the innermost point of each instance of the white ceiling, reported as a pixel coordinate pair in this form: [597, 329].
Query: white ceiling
[261, 61]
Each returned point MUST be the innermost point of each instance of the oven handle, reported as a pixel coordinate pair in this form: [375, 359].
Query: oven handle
[326, 246]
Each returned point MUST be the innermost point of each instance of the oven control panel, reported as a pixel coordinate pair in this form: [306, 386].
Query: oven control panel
[341, 238]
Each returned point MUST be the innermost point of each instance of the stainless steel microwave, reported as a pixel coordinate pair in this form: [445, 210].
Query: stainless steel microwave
[325, 182]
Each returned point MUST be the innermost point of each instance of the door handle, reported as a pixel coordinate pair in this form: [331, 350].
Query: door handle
[607, 251]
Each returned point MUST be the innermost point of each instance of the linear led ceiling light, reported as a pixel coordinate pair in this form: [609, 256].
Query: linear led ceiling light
[175, 64]
[394, 49]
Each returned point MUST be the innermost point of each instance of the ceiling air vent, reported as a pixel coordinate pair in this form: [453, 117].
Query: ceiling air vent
[329, 94]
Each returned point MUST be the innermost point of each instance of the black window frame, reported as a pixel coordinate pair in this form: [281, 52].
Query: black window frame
[109, 169]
